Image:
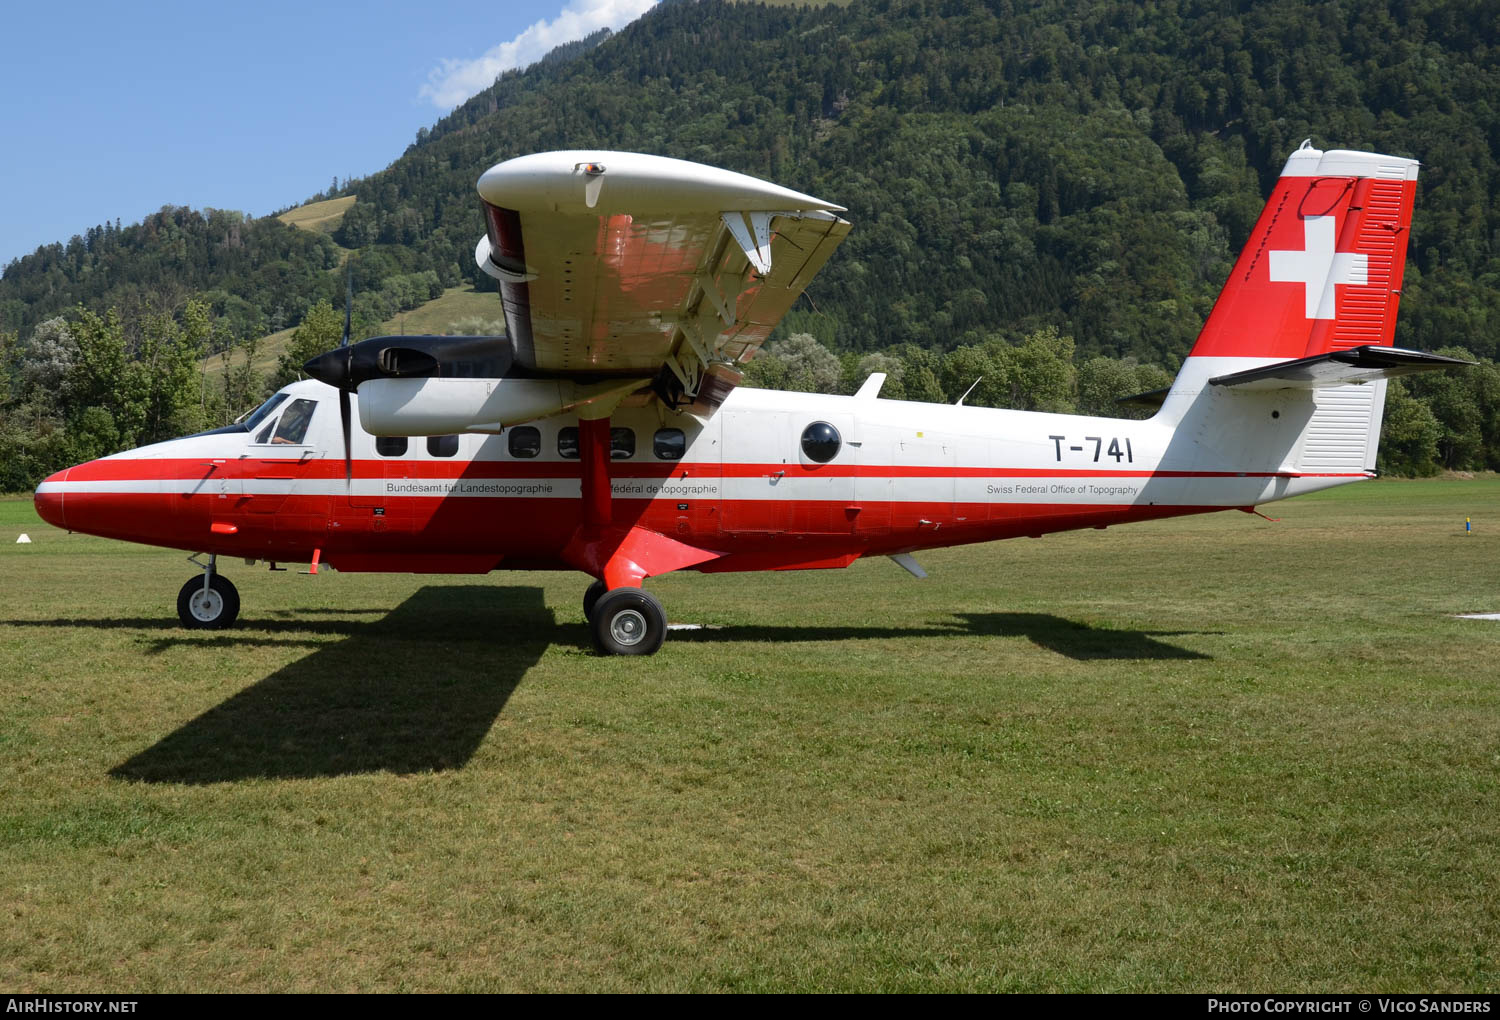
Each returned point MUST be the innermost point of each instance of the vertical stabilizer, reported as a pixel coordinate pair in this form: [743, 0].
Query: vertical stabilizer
[1320, 275]
[1322, 269]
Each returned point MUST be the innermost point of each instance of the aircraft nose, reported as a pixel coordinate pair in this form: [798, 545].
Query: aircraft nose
[49, 499]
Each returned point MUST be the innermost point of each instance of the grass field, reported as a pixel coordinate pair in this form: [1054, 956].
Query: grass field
[1209, 754]
[435, 316]
[439, 314]
[320, 217]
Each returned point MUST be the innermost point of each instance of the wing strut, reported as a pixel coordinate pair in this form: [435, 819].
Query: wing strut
[593, 452]
[618, 554]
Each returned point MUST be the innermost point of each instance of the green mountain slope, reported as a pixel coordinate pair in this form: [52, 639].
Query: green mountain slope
[1087, 165]
[1084, 166]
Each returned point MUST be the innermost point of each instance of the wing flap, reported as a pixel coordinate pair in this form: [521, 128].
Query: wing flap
[800, 246]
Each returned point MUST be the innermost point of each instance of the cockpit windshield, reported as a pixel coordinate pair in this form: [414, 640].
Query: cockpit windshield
[260, 413]
[248, 423]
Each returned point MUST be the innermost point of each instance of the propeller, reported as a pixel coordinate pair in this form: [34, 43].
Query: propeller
[348, 449]
[399, 357]
[344, 414]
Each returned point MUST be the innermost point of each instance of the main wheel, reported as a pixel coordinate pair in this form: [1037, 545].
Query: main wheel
[591, 598]
[211, 609]
[628, 621]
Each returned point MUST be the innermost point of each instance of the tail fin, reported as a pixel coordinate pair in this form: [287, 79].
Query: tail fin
[1322, 269]
[1284, 378]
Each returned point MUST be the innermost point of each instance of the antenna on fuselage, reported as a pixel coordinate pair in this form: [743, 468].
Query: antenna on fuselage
[960, 401]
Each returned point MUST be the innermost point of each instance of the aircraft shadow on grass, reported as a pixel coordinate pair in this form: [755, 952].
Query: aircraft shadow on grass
[1054, 633]
[415, 690]
[418, 689]
[1079, 640]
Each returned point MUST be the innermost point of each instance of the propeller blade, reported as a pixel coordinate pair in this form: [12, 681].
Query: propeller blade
[348, 442]
[348, 305]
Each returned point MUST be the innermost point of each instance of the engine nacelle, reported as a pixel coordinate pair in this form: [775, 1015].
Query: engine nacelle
[440, 407]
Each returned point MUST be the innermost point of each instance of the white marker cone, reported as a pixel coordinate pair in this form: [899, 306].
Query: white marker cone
[24, 540]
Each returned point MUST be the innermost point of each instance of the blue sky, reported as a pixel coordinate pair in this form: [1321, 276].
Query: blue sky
[114, 110]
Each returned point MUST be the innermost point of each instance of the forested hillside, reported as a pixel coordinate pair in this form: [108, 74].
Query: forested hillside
[1009, 168]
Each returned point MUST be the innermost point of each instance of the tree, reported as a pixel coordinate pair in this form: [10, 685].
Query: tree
[869, 364]
[102, 410]
[244, 388]
[1041, 372]
[1035, 375]
[1103, 381]
[47, 359]
[164, 373]
[321, 330]
[797, 363]
[979, 374]
[1409, 435]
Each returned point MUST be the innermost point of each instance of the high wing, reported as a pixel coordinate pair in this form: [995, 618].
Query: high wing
[617, 264]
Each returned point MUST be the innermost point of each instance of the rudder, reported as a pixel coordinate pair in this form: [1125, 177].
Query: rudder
[1322, 269]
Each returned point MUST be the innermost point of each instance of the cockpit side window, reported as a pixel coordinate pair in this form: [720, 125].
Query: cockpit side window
[294, 423]
[265, 433]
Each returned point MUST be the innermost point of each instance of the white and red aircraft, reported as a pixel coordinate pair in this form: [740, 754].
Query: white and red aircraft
[607, 433]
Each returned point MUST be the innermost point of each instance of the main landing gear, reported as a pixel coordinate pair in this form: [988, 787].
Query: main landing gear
[209, 602]
[626, 621]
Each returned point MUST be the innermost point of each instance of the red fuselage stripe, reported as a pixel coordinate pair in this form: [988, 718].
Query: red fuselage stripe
[124, 469]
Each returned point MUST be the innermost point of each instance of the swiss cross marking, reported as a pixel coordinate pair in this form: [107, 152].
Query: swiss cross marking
[1319, 267]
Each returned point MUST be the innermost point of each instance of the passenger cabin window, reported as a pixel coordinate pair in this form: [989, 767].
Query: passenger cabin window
[293, 426]
[525, 441]
[442, 446]
[621, 444]
[669, 444]
[390, 446]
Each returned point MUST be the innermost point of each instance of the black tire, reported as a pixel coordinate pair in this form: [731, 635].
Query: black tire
[628, 621]
[215, 610]
[591, 598]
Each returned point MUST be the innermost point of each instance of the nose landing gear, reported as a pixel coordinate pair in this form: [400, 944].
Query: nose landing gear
[210, 602]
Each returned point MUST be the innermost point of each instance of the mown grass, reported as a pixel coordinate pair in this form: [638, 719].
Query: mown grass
[438, 315]
[320, 217]
[1216, 753]
[434, 317]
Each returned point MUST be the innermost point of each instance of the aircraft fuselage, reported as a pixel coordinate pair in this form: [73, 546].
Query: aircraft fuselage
[742, 486]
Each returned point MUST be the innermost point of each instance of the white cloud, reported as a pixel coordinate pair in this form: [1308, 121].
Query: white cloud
[456, 80]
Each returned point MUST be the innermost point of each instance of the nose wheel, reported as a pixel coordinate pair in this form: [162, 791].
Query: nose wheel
[209, 602]
[626, 621]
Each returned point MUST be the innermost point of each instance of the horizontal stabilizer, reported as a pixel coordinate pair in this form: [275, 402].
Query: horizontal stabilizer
[1151, 399]
[1338, 368]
